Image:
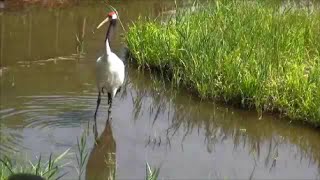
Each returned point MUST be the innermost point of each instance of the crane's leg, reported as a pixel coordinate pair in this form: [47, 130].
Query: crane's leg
[110, 106]
[110, 102]
[98, 103]
[95, 130]
[118, 90]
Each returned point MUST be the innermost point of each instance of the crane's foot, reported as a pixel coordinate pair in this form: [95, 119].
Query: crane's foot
[109, 113]
[109, 118]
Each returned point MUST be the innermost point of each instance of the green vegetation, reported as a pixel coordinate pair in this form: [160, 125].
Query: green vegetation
[52, 169]
[48, 170]
[255, 54]
[151, 174]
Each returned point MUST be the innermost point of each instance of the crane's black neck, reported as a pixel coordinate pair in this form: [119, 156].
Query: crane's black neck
[110, 30]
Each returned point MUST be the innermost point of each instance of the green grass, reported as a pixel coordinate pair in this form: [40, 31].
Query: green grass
[52, 168]
[49, 169]
[255, 54]
[152, 173]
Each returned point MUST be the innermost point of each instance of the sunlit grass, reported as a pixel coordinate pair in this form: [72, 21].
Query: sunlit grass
[254, 54]
[151, 173]
[48, 170]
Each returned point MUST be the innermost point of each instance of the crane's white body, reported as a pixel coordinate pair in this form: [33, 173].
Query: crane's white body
[110, 73]
[109, 68]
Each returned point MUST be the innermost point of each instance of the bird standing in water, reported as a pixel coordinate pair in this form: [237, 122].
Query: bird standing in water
[109, 67]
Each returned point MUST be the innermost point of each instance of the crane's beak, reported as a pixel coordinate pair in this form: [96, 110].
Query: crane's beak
[103, 22]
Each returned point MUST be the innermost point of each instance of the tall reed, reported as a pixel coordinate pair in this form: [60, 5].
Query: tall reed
[255, 54]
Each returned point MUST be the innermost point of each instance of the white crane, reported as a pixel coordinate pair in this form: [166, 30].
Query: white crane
[109, 67]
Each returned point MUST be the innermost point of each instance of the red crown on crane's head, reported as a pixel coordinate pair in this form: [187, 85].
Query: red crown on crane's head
[112, 15]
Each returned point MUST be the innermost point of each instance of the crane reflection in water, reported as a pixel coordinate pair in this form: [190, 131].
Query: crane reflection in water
[102, 159]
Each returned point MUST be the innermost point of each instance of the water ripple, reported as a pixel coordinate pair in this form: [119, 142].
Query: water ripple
[10, 141]
[39, 112]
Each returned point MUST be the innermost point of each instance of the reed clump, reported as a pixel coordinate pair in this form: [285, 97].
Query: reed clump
[255, 54]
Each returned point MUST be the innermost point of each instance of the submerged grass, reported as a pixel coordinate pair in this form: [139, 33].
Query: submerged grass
[255, 54]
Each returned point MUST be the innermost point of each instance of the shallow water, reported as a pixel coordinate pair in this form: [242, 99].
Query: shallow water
[48, 98]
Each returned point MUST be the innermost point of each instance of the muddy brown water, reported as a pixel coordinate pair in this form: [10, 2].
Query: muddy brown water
[48, 98]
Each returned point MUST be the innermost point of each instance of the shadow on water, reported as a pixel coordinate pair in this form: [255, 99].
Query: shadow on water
[48, 96]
